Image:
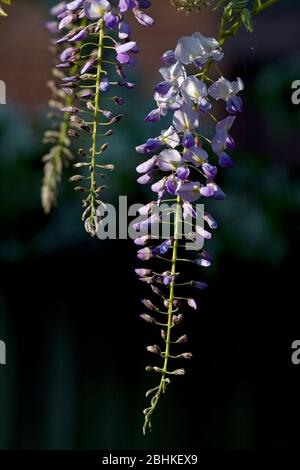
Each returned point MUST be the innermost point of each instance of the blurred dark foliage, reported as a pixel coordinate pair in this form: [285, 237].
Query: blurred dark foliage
[69, 305]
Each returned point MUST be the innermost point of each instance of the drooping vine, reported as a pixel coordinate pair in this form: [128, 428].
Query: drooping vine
[94, 49]
[183, 174]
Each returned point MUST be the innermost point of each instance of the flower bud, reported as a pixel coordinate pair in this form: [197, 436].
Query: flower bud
[154, 349]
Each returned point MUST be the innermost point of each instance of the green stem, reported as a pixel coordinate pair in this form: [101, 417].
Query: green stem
[258, 8]
[95, 121]
[166, 353]
[233, 29]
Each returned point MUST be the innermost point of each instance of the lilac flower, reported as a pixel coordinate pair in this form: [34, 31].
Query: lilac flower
[169, 58]
[146, 166]
[221, 138]
[185, 119]
[142, 17]
[195, 90]
[195, 155]
[225, 90]
[188, 151]
[169, 160]
[102, 23]
[190, 191]
[197, 49]
[73, 6]
[96, 9]
[104, 84]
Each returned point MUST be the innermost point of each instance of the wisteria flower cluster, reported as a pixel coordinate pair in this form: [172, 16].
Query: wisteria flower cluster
[93, 49]
[183, 169]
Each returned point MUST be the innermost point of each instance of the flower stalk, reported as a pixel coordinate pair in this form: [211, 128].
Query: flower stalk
[94, 49]
[93, 186]
[189, 159]
[166, 355]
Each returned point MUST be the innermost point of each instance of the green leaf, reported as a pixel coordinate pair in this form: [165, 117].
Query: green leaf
[247, 20]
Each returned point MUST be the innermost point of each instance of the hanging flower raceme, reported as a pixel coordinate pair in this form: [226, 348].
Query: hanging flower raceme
[182, 166]
[96, 48]
[59, 153]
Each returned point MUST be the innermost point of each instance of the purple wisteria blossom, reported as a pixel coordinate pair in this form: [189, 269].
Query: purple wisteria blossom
[182, 167]
[96, 49]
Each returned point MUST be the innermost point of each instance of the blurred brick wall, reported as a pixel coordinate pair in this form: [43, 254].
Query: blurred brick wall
[25, 61]
[24, 56]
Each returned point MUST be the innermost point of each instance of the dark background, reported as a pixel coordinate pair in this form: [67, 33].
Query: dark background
[75, 375]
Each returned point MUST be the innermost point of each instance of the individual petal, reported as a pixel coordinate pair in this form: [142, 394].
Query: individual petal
[212, 223]
[72, 6]
[142, 17]
[169, 57]
[148, 165]
[222, 89]
[126, 47]
[170, 137]
[111, 20]
[183, 173]
[192, 303]
[185, 119]
[124, 30]
[234, 105]
[193, 89]
[195, 155]
[153, 116]
[104, 84]
[159, 185]
[150, 146]
[188, 140]
[125, 5]
[210, 171]
[95, 9]
[225, 161]
[219, 140]
[169, 160]
[190, 191]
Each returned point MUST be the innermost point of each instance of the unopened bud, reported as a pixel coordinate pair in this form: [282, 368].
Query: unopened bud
[147, 318]
[177, 319]
[186, 355]
[178, 372]
[76, 178]
[103, 147]
[183, 339]
[117, 118]
[154, 349]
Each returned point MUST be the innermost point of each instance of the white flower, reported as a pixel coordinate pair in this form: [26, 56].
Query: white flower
[168, 101]
[170, 137]
[193, 90]
[197, 48]
[222, 89]
[175, 74]
[169, 160]
[185, 119]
